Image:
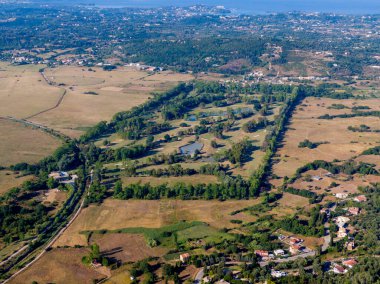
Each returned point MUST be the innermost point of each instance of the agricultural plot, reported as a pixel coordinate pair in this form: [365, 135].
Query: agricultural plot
[24, 144]
[94, 95]
[24, 92]
[334, 139]
[117, 214]
[126, 247]
[60, 266]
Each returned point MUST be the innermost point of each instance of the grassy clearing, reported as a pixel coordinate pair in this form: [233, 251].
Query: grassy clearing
[288, 205]
[156, 233]
[9, 179]
[118, 214]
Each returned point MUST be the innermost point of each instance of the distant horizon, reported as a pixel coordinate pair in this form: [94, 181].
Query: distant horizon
[245, 6]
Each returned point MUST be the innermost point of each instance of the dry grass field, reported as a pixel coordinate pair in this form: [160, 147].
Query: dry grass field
[24, 92]
[116, 214]
[59, 266]
[126, 247]
[345, 183]
[10, 179]
[288, 205]
[113, 91]
[23, 144]
[120, 276]
[342, 144]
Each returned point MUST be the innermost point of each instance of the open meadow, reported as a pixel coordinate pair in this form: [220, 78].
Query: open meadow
[9, 179]
[20, 143]
[69, 99]
[336, 140]
[24, 92]
[94, 95]
[117, 214]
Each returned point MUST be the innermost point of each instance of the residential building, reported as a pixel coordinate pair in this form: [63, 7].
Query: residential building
[350, 263]
[295, 249]
[339, 269]
[279, 252]
[59, 176]
[341, 221]
[184, 257]
[360, 198]
[294, 240]
[262, 253]
[350, 246]
[353, 210]
[278, 274]
[341, 195]
[342, 232]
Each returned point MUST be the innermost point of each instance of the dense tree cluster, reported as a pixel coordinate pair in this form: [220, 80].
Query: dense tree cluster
[253, 125]
[308, 144]
[372, 151]
[231, 188]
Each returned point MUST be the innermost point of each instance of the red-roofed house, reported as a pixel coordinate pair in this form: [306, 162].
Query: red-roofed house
[184, 257]
[295, 249]
[354, 210]
[294, 240]
[262, 253]
[339, 269]
[350, 262]
[360, 198]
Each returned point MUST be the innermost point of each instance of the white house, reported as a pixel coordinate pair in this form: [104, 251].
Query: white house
[279, 252]
[278, 274]
[341, 221]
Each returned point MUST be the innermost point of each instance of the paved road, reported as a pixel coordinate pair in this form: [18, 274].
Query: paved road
[200, 274]
[51, 242]
[16, 253]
